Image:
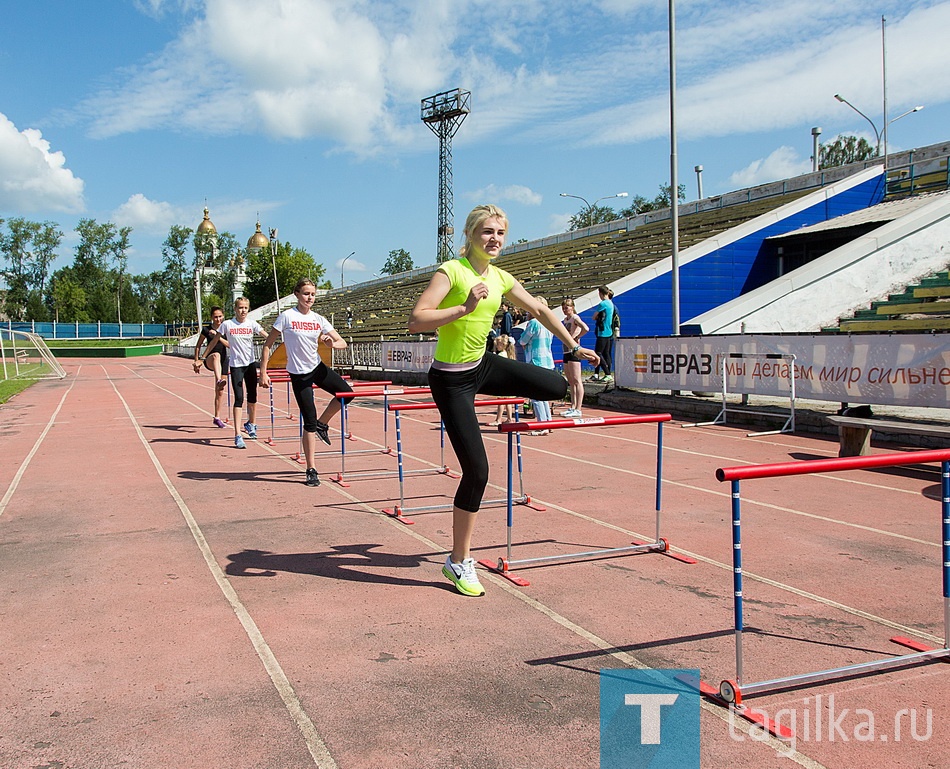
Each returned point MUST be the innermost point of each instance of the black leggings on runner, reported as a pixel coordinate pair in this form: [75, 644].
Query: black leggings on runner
[454, 393]
[604, 347]
[240, 375]
[323, 377]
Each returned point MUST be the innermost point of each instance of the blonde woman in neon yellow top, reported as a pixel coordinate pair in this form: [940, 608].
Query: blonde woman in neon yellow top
[461, 301]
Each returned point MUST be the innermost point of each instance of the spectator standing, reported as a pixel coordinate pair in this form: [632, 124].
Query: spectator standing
[503, 345]
[572, 363]
[536, 340]
[507, 320]
[603, 325]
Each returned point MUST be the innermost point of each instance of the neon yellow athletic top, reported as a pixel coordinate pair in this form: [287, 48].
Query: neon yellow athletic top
[463, 340]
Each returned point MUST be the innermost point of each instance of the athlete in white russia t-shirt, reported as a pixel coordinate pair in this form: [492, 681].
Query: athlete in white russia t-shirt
[301, 334]
[240, 337]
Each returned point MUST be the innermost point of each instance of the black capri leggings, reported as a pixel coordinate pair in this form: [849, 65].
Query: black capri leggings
[240, 374]
[604, 347]
[454, 393]
[323, 377]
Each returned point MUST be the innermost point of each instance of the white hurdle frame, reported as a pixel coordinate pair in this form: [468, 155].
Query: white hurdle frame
[788, 427]
[398, 511]
[733, 691]
[661, 545]
[345, 398]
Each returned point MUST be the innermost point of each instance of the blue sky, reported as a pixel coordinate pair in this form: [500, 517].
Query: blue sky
[306, 113]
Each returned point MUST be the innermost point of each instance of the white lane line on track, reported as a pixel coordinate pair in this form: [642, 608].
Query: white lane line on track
[315, 744]
[15, 483]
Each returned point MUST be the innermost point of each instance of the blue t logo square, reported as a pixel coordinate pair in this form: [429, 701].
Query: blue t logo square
[649, 719]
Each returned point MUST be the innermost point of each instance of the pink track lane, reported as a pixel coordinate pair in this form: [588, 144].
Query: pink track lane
[119, 647]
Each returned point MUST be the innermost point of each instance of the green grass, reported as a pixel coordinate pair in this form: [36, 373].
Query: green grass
[137, 342]
[10, 387]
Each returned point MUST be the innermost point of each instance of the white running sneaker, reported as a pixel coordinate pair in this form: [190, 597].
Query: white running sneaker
[463, 576]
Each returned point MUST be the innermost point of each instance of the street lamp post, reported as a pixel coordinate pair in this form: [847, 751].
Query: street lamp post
[273, 263]
[591, 206]
[877, 134]
[341, 267]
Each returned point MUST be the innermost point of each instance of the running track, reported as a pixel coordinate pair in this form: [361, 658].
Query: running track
[169, 601]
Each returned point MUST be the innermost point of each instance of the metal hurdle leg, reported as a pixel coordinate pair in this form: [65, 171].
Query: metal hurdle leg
[399, 511]
[345, 399]
[733, 691]
[660, 545]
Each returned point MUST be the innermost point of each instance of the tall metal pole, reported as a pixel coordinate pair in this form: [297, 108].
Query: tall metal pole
[341, 267]
[884, 91]
[273, 263]
[674, 180]
[815, 148]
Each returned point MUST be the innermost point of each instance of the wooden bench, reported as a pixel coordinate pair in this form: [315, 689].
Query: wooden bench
[854, 433]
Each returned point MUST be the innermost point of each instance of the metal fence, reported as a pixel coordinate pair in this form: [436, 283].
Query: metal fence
[99, 330]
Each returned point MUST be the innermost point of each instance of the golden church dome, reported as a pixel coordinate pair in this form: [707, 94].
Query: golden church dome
[207, 226]
[258, 240]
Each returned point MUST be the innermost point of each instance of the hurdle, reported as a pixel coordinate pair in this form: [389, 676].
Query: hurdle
[788, 427]
[504, 565]
[398, 511]
[734, 691]
[345, 398]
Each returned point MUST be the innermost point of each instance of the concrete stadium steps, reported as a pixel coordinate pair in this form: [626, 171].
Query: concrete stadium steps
[924, 306]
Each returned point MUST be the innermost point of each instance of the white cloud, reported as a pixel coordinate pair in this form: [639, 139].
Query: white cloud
[516, 193]
[353, 73]
[32, 178]
[783, 163]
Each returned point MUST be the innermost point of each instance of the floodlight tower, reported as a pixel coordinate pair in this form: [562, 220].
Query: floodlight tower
[444, 113]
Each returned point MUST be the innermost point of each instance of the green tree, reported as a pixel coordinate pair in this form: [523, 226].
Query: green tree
[591, 215]
[291, 265]
[91, 266]
[68, 297]
[398, 261]
[118, 248]
[179, 304]
[15, 246]
[844, 150]
[640, 205]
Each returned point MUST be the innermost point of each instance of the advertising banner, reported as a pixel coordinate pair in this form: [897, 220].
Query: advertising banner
[406, 356]
[885, 369]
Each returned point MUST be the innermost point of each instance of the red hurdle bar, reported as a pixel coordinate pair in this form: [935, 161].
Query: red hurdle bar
[733, 691]
[398, 511]
[660, 545]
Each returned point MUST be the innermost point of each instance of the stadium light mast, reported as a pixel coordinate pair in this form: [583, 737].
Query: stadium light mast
[443, 113]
